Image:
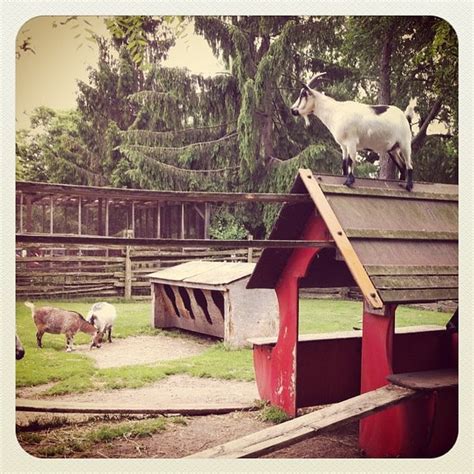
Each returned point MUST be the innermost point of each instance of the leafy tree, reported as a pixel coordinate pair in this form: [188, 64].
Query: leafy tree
[52, 150]
[144, 125]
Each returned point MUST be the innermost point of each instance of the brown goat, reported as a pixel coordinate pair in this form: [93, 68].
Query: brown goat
[60, 321]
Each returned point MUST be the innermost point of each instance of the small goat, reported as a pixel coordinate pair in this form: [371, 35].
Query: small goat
[19, 349]
[60, 321]
[102, 316]
[356, 126]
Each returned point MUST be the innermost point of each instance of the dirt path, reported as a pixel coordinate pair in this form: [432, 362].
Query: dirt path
[144, 350]
[177, 440]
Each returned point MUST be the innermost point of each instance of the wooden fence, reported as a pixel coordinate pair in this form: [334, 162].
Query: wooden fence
[55, 272]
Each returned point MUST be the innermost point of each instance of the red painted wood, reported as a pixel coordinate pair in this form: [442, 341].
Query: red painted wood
[419, 427]
[276, 368]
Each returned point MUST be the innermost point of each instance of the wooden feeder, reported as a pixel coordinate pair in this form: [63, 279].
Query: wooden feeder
[398, 247]
[211, 298]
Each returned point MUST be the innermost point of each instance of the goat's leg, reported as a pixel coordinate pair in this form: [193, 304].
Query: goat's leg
[39, 337]
[344, 160]
[110, 334]
[406, 154]
[351, 152]
[398, 160]
[69, 342]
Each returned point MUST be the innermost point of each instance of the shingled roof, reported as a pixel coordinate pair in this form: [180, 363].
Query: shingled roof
[397, 246]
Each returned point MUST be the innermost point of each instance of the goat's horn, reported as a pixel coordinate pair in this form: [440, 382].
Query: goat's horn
[315, 78]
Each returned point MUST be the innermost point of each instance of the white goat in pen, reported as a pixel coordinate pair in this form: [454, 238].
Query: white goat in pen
[356, 126]
[102, 316]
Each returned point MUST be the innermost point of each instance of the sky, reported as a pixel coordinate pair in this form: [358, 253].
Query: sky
[62, 54]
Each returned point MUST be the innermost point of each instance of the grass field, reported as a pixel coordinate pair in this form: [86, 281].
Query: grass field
[76, 372]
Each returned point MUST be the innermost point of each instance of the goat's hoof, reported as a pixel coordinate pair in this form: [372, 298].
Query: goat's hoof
[349, 182]
[409, 186]
[68, 349]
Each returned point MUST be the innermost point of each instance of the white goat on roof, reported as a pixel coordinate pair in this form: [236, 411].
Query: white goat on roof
[356, 126]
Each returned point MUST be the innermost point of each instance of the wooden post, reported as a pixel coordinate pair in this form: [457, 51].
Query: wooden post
[183, 210]
[207, 218]
[133, 219]
[128, 269]
[21, 213]
[28, 214]
[250, 249]
[79, 215]
[100, 223]
[107, 202]
[158, 221]
[51, 215]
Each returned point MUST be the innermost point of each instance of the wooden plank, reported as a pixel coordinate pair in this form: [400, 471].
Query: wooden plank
[49, 291]
[94, 408]
[307, 426]
[418, 296]
[426, 380]
[400, 234]
[343, 244]
[122, 241]
[187, 270]
[149, 195]
[70, 258]
[183, 312]
[415, 281]
[388, 193]
[54, 272]
[223, 274]
[324, 336]
[373, 270]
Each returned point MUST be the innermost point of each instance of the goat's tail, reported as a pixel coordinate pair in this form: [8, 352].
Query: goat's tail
[30, 305]
[410, 110]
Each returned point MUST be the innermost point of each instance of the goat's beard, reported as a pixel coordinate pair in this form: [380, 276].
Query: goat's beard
[306, 120]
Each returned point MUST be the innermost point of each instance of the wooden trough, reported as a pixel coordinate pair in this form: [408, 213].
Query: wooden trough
[398, 247]
[211, 298]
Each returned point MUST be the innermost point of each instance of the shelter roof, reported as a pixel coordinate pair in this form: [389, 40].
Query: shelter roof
[204, 272]
[397, 246]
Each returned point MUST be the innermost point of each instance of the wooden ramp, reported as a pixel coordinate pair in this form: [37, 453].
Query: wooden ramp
[54, 406]
[307, 426]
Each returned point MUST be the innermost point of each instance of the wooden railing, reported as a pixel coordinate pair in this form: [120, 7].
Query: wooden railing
[54, 272]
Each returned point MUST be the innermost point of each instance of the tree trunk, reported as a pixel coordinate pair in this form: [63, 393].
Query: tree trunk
[387, 166]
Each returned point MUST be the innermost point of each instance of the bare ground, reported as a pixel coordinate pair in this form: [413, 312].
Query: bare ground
[177, 440]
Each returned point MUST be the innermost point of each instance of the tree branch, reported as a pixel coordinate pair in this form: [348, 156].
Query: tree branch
[419, 139]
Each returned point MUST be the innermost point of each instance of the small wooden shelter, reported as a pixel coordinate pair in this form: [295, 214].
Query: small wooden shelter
[211, 298]
[398, 247]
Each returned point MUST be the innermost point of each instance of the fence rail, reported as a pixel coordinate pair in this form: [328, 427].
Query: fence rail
[97, 271]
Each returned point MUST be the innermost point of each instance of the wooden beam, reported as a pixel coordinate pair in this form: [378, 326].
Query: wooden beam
[161, 196]
[411, 282]
[78, 407]
[426, 380]
[158, 220]
[107, 216]
[133, 219]
[352, 260]
[21, 212]
[382, 270]
[183, 210]
[210, 243]
[51, 215]
[207, 219]
[79, 216]
[387, 193]
[307, 426]
[404, 296]
[400, 234]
